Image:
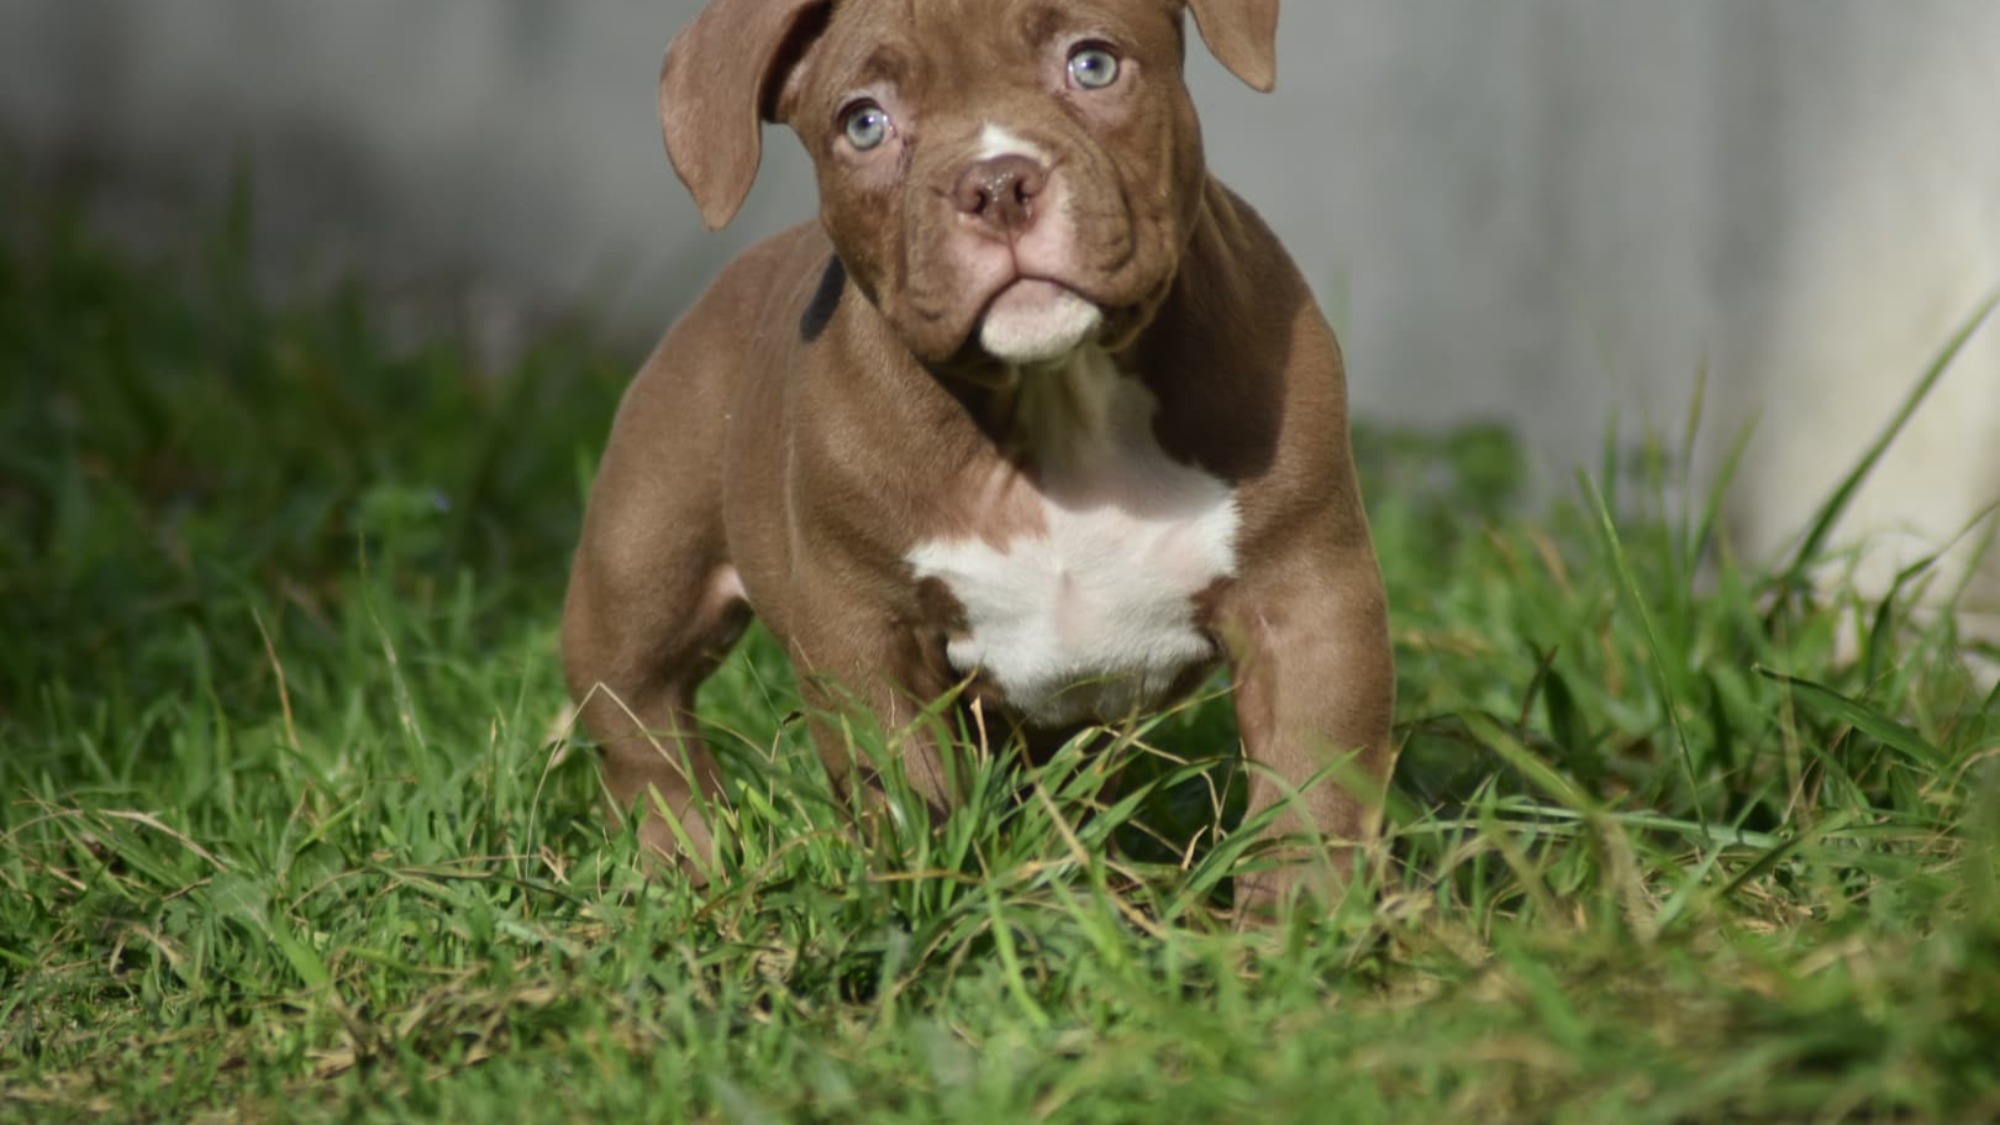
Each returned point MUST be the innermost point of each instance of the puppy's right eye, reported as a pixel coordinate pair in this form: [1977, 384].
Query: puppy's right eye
[867, 125]
[1092, 66]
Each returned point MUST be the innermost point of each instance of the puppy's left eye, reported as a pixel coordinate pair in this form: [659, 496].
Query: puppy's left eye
[1093, 67]
[867, 125]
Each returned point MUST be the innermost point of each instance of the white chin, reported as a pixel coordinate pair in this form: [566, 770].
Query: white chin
[1035, 322]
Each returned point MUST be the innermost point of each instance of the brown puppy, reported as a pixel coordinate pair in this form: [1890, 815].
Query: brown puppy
[1037, 406]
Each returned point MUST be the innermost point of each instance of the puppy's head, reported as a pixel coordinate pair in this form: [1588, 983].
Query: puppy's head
[1006, 180]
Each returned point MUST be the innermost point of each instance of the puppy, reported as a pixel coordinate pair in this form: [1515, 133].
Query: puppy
[1038, 410]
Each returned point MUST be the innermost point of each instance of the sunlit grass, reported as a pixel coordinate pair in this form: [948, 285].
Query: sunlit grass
[286, 830]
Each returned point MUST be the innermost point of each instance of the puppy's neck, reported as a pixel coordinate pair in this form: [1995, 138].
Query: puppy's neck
[1068, 413]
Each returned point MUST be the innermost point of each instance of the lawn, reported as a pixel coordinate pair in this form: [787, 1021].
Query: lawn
[288, 830]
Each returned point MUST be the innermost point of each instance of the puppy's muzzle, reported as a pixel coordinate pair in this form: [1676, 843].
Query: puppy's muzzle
[1002, 195]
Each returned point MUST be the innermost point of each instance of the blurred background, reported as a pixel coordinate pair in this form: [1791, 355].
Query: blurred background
[1553, 215]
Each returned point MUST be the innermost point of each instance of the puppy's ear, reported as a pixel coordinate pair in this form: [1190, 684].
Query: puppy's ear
[720, 83]
[1243, 34]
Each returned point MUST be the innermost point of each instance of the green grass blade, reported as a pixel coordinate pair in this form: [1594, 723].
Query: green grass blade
[1829, 513]
[1634, 599]
[1861, 717]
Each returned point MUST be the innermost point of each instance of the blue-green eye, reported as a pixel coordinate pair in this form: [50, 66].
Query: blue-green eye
[1093, 68]
[867, 125]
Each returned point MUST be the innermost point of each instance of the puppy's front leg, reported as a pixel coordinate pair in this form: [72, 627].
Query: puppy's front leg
[1308, 643]
[860, 664]
[640, 634]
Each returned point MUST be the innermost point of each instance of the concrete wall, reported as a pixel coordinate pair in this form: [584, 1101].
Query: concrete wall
[1537, 211]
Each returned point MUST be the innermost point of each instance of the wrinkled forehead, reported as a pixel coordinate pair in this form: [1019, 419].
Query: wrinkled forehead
[921, 47]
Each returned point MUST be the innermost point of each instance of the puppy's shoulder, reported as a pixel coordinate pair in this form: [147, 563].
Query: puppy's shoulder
[776, 265]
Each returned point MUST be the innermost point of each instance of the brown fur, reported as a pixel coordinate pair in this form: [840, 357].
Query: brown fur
[825, 407]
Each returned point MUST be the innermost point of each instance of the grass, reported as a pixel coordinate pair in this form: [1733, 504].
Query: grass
[284, 834]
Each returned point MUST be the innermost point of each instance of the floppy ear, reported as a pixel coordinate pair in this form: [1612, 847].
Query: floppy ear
[719, 85]
[1243, 34]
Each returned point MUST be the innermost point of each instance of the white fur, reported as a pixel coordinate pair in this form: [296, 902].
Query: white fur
[1093, 619]
[725, 587]
[1037, 323]
[996, 141]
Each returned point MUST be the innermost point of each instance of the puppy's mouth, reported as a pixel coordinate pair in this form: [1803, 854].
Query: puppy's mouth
[1032, 321]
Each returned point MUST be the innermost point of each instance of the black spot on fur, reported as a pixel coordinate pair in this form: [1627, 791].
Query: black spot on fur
[825, 302]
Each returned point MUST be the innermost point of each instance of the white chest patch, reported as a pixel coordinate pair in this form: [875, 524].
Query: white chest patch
[1092, 616]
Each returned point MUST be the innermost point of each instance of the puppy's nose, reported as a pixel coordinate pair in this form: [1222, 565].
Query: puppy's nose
[1001, 193]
